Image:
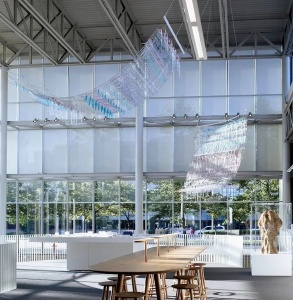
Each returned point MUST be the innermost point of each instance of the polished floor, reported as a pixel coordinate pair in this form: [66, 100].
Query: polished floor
[47, 280]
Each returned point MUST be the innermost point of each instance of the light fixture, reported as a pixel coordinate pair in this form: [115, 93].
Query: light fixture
[84, 119]
[35, 120]
[185, 116]
[56, 120]
[46, 120]
[197, 116]
[238, 115]
[174, 116]
[105, 118]
[226, 115]
[249, 114]
[94, 119]
[194, 28]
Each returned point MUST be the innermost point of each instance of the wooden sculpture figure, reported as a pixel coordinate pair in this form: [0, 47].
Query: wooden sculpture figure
[269, 224]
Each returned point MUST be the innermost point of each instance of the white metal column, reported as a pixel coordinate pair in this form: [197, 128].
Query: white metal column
[4, 95]
[286, 189]
[139, 170]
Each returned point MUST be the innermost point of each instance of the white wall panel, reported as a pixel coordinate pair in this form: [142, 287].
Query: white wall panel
[269, 148]
[214, 106]
[107, 150]
[30, 111]
[186, 83]
[249, 156]
[183, 147]
[241, 77]
[80, 151]
[160, 145]
[30, 152]
[127, 149]
[56, 81]
[189, 106]
[80, 79]
[55, 151]
[267, 80]
[159, 107]
[214, 77]
[12, 145]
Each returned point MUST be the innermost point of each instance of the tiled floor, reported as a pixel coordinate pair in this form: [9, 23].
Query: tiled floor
[51, 280]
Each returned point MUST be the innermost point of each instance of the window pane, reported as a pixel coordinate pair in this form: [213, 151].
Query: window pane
[107, 191]
[55, 191]
[80, 191]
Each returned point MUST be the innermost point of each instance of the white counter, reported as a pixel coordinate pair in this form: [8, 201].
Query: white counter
[85, 250]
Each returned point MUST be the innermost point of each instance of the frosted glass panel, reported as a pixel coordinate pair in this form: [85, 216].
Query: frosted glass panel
[30, 76]
[268, 76]
[159, 144]
[12, 114]
[107, 150]
[166, 89]
[241, 77]
[56, 81]
[30, 152]
[81, 154]
[189, 106]
[187, 82]
[214, 106]
[269, 148]
[159, 107]
[214, 78]
[104, 73]
[12, 152]
[12, 90]
[242, 105]
[183, 147]
[248, 159]
[80, 79]
[55, 151]
[30, 111]
[269, 104]
[127, 146]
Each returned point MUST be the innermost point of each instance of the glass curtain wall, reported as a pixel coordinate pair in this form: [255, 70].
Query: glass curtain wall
[92, 206]
[202, 89]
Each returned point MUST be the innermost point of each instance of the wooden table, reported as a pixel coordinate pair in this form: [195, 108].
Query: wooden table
[170, 260]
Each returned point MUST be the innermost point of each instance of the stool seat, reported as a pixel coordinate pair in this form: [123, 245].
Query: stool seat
[133, 295]
[190, 289]
[115, 278]
[107, 293]
[184, 286]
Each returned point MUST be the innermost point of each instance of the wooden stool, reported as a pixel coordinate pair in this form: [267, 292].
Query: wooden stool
[132, 295]
[109, 288]
[188, 288]
[197, 269]
[126, 278]
[151, 290]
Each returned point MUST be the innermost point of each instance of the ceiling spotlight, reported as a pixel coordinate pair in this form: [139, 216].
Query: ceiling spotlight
[94, 119]
[56, 120]
[238, 115]
[46, 120]
[197, 116]
[118, 123]
[226, 115]
[84, 119]
[185, 116]
[35, 120]
[174, 116]
[105, 118]
[249, 114]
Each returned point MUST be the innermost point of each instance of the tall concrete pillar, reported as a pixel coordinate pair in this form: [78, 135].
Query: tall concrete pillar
[3, 130]
[286, 188]
[139, 170]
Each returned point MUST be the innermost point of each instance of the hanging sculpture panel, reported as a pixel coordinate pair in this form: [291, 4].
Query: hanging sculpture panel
[136, 81]
[217, 156]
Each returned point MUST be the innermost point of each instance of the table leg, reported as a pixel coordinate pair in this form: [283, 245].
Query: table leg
[158, 286]
[120, 281]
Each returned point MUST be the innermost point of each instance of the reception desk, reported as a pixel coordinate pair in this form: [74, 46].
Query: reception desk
[86, 250]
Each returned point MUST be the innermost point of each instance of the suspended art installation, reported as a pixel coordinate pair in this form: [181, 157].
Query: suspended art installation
[218, 151]
[136, 81]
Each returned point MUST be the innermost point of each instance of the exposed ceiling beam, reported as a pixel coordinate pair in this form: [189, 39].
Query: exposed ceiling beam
[41, 20]
[26, 38]
[118, 26]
